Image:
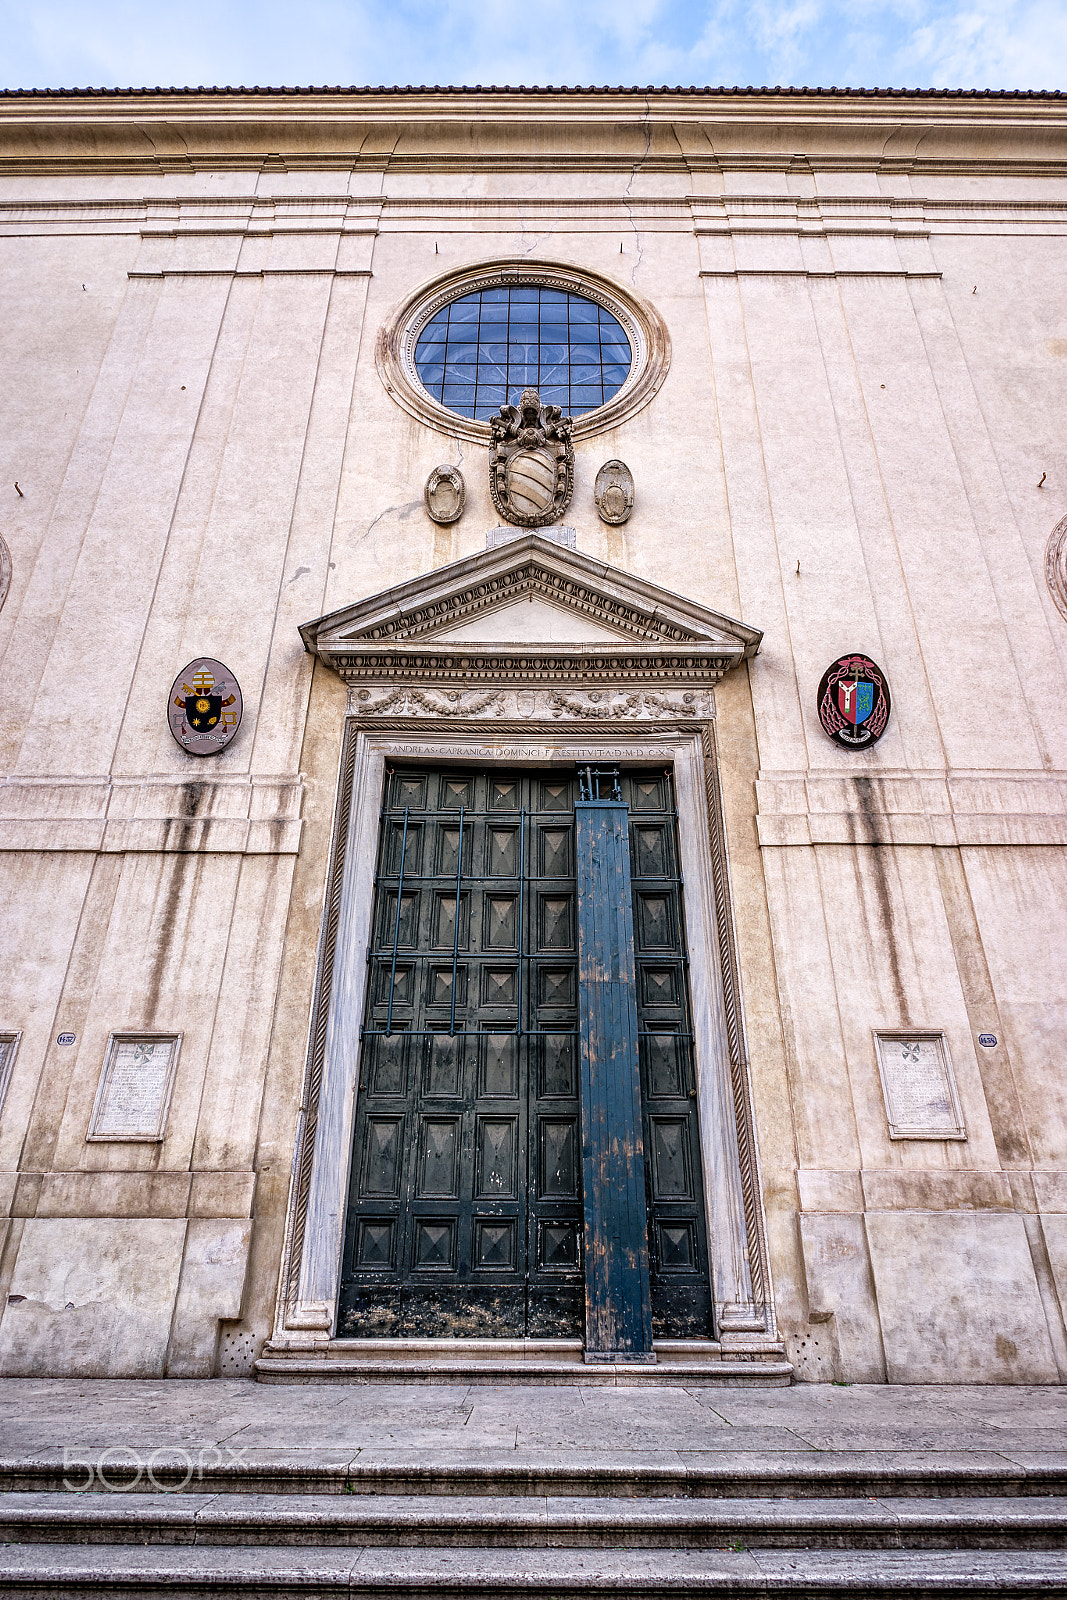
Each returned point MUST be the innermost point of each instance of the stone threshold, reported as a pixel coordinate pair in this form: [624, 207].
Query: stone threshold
[679, 1362]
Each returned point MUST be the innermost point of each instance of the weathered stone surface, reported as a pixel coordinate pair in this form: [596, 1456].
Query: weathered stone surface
[865, 387]
[841, 1293]
[92, 1297]
[958, 1297]
[211, 1288]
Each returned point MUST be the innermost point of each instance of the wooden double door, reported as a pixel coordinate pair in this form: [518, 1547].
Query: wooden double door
[465, 1213]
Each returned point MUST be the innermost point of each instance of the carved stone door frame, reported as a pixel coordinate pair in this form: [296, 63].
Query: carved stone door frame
[307, 1301]
[527, 653]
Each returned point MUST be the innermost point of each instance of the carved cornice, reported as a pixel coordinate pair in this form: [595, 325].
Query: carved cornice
[528, 129]
[531, 666]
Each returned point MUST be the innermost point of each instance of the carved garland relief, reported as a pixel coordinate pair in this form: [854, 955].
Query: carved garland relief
[529, 705]
[406, 683]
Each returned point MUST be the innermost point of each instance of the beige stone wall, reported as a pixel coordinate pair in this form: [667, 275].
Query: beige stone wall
[865, 305]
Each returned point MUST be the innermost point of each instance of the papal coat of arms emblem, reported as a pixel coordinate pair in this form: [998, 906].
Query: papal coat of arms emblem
[854, 701]
[531, 465]
[205, 707]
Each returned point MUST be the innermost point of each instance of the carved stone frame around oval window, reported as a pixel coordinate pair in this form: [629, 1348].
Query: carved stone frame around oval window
[644, 327]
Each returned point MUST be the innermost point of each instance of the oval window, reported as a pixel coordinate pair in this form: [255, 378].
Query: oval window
[481, 350]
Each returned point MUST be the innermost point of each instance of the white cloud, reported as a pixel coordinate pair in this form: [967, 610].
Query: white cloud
[1007, 46]
[909, 43]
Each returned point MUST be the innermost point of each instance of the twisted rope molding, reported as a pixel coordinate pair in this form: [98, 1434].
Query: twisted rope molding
[731, 983]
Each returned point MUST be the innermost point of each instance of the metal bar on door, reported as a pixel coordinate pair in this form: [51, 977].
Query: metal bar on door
[455, 941]
[522, 904]
[396, 925]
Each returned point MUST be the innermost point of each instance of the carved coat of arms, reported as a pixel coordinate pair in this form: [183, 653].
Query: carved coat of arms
[531, 465]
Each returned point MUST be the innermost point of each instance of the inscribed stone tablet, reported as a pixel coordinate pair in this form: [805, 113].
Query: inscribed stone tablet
[920, 1095]
[134, 1092]
[9, 1043]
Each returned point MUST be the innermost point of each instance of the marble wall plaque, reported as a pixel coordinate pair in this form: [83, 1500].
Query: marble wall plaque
[920, 1093]
[134, 1093]
[9, 1044]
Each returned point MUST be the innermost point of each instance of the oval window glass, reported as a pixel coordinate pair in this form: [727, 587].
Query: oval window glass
[479, 352]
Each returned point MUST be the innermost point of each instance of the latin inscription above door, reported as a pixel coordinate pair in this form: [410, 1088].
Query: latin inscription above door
[465, 1208]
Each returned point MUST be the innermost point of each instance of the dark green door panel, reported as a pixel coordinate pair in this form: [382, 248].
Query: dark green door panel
[465, 1202]
[677, 1230]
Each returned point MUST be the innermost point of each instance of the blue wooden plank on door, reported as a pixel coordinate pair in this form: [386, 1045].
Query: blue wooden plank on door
[618, 1309]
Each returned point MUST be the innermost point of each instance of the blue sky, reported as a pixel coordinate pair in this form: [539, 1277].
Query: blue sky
[903, 43]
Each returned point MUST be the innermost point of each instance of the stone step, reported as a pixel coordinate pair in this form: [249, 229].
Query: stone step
[563, 1471]
[312, 1370]
[285, 1572]
[688, 1363]
[270, 1369]
[410, 1521]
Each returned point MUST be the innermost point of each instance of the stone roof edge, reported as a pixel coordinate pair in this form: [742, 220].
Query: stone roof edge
[366, 90]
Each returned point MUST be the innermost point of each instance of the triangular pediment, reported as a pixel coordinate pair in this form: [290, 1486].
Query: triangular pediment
[528, 598]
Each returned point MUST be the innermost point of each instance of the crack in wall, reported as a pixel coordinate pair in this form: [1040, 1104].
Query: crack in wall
[403, 512]
[628, 192]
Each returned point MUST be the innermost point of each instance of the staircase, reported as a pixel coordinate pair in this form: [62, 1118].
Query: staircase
[538, 1528]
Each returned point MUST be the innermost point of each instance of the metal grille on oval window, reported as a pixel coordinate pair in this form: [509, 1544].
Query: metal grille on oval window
[483, 349]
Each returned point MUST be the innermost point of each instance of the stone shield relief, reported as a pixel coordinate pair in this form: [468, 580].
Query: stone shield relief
[531, 464]
[445, 495]
[613, 493]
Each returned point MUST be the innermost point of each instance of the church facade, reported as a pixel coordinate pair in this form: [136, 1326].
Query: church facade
[534, 771]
